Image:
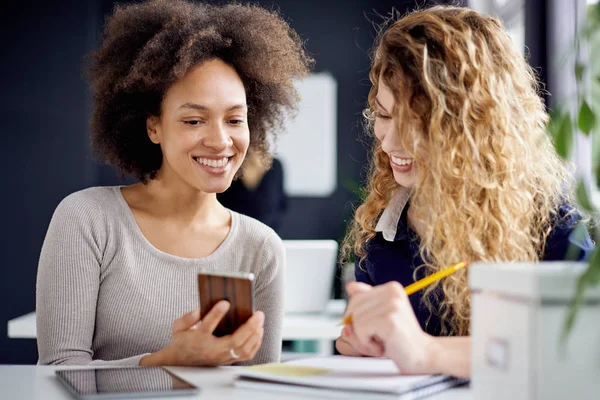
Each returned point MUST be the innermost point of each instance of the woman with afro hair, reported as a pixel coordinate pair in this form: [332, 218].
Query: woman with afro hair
[182, 91]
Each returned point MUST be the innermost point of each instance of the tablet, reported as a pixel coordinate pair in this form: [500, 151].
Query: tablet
[124, 383]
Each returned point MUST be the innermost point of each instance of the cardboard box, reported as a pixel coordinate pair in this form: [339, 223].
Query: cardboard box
[518, 313]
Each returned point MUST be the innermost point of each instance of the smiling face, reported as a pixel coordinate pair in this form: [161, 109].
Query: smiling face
[403, 166]
[203, 127]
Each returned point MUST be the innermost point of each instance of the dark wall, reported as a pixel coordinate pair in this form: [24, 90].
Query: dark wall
[44, 126]
[536, 39]
[44, 112]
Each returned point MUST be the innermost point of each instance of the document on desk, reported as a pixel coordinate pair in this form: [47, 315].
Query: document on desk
[340, 376]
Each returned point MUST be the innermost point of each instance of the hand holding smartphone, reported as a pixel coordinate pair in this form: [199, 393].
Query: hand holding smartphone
[218, 335]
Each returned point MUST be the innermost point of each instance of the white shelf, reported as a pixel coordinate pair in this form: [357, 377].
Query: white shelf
[23, 327]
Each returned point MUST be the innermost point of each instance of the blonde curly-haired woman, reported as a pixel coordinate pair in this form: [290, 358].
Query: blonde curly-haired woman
[462, 169]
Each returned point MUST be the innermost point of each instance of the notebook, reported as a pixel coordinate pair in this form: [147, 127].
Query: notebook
[343, 377]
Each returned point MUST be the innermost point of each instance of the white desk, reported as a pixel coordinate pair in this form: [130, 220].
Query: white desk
[39, 382]
[320, 327]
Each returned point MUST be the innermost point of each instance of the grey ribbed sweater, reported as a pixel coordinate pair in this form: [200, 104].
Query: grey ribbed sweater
[106, 295]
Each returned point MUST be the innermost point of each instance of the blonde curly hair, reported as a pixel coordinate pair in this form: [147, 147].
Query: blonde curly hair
[490, 183]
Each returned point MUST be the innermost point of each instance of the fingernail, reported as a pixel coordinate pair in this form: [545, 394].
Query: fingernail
[260, 317]
[223, 305]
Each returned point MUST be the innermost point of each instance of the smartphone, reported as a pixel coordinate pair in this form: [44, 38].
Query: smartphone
[124, 383]
[237, 289]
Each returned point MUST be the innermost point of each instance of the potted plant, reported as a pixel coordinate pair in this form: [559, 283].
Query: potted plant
[563, 127]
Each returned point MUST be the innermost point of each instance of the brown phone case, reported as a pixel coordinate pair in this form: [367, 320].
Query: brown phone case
[239, 291]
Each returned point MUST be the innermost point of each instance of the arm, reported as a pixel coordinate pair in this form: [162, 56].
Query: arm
[450, 356]
[68, 282]
[384, 315]
[268, 298]
[445, 355]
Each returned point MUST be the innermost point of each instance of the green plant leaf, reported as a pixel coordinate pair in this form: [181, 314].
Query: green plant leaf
[579, 70]
[593, 19]
[591, 277]
[351, 185]
[557, 112]
[583, 199]
[587, 118]
[577, 236]
[354, 187]
[561, 130]
[574, 306]
[556, 116]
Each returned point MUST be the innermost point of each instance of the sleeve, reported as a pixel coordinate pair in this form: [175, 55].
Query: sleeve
[68, 281]
[360, 272]
[268, 296]
[569, 239]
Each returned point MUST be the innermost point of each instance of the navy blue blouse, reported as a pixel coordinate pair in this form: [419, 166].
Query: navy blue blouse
[396, 260]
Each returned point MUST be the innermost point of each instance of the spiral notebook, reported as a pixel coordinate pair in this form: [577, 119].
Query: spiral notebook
[343, 377]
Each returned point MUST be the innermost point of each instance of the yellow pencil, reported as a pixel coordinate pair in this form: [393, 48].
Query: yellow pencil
[422, 283]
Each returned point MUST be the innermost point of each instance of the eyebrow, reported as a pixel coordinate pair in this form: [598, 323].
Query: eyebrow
[200, 107]
[380, 106]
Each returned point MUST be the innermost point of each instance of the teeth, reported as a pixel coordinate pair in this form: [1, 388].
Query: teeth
[402, 161]
[213, 163]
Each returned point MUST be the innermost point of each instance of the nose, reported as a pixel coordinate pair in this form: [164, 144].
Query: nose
[387, 137]
[217, 138]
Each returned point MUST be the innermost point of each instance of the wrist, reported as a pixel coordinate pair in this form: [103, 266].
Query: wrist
[449, 356]
[433, 353]
[154, 359]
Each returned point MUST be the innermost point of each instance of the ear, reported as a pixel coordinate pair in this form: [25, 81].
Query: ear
[151, 128]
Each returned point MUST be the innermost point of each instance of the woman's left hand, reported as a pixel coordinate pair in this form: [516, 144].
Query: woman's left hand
[382, 315]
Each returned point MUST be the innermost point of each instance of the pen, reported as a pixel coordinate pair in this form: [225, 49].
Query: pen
[422, 283]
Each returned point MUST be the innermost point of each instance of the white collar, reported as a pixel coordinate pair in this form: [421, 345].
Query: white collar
[388, 222]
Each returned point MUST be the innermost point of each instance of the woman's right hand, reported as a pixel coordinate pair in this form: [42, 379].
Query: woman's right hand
[349, 345]
[193, 343]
